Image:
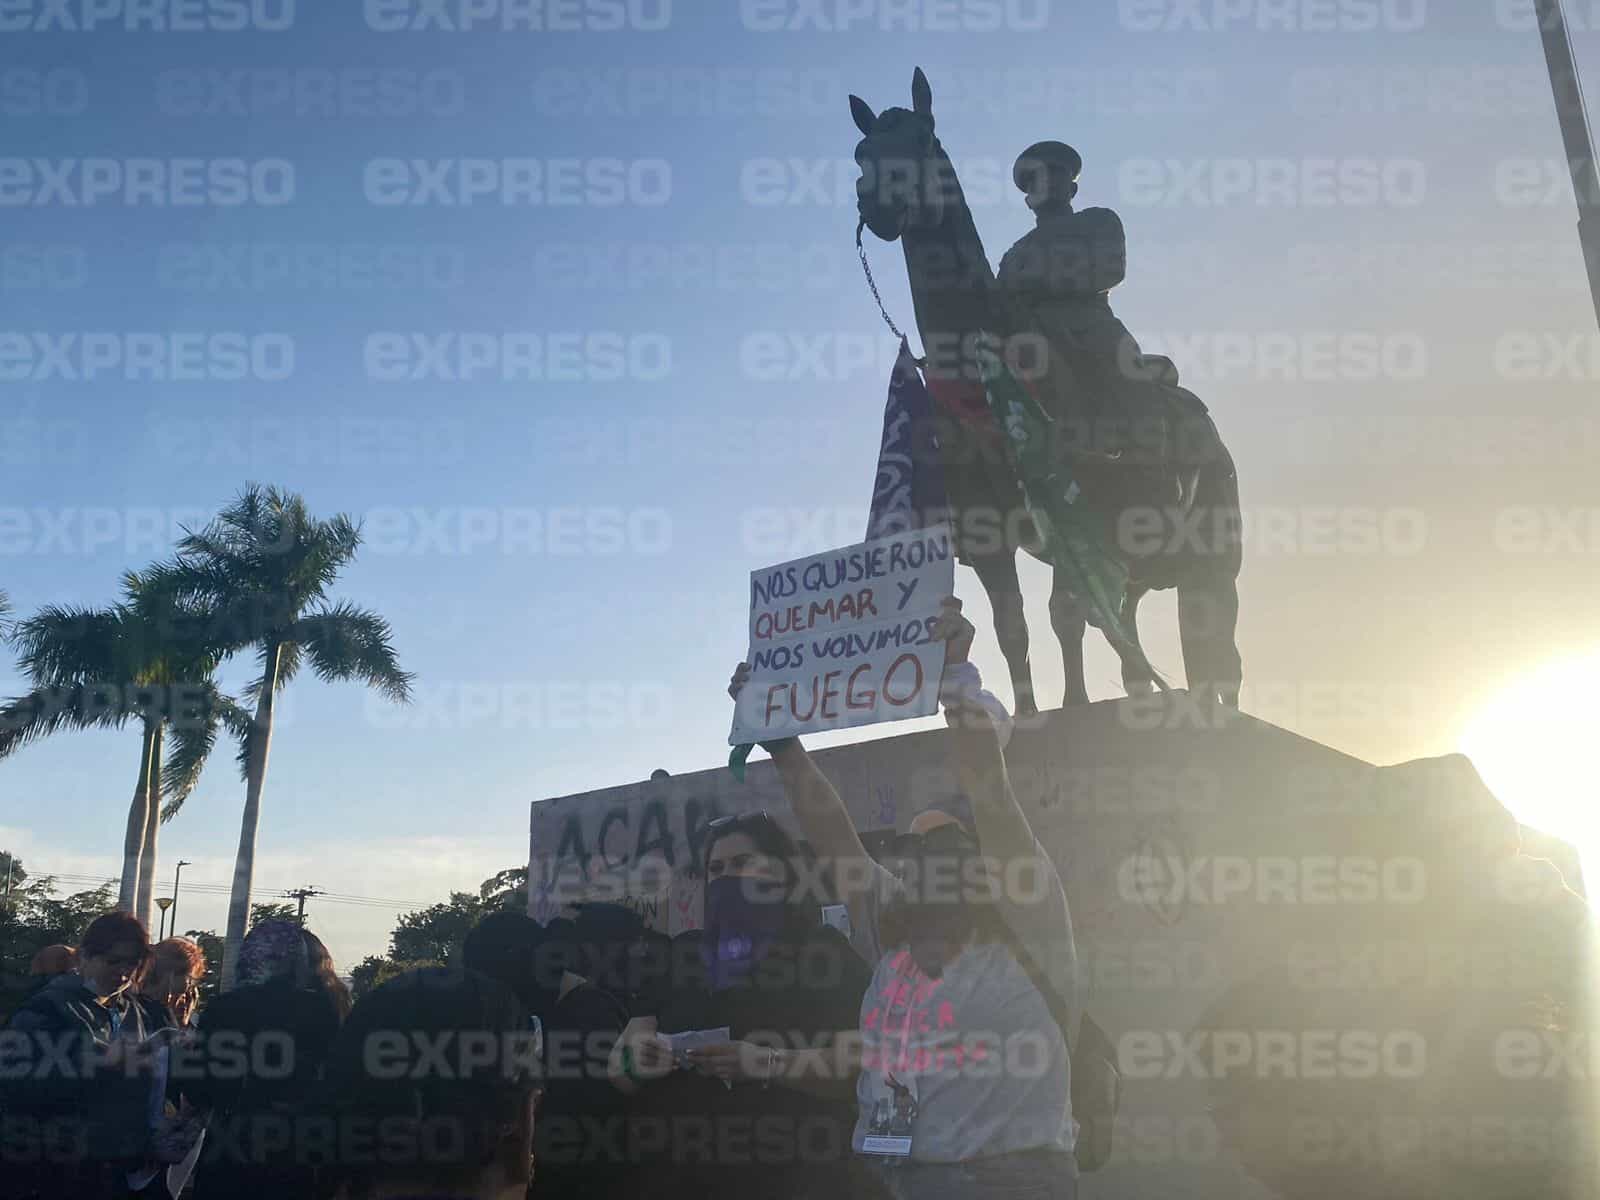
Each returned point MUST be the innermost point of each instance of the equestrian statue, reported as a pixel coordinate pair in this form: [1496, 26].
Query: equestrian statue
[1142, 451]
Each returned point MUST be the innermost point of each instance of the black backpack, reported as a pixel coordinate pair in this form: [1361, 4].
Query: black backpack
[1096, 1093]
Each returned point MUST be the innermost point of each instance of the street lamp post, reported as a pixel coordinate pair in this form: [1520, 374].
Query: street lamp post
[176, 875]
[163, 903]
[1575, 136]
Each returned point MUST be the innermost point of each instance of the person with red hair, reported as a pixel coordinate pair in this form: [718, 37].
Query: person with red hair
[171, 986]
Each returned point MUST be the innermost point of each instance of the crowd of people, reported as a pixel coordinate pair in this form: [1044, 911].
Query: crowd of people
[919, 1048]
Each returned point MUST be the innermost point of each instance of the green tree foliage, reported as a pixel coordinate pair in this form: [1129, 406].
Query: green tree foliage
[36, 917]
[376, 970]
[433, 936]
[12, 875]
[211, 944]
[507, 889]
[271, 912]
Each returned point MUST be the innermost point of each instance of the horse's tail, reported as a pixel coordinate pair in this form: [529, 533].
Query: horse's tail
[1209, 484]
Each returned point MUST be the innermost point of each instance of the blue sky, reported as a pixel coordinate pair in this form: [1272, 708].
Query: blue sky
[546, 669]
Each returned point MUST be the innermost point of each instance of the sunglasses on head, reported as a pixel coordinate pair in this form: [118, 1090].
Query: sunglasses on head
[942, 839]
[738, 820]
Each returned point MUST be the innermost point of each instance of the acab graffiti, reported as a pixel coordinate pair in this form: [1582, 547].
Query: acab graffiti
[645, 854]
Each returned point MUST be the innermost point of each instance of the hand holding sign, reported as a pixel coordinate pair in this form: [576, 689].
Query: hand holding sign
[955, 631]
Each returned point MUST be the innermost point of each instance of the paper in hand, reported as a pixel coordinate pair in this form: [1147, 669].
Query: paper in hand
[692, 1039]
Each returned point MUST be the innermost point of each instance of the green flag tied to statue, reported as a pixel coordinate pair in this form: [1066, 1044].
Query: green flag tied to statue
[1071, 536]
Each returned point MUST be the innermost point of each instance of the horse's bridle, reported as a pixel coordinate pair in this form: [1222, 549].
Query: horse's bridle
[866, 269]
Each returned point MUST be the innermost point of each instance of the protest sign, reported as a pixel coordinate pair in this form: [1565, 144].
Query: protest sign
[842, 638]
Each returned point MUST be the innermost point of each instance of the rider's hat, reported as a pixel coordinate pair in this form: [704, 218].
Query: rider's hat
[1048, 155]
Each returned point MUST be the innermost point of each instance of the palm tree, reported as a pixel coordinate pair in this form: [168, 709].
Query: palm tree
[263, 568]
[141, 660]
[197, 712]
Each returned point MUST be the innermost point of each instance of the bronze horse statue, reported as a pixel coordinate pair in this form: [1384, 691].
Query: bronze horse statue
[1144, 452]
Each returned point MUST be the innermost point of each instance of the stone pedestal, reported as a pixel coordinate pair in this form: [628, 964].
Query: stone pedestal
[1323, 978]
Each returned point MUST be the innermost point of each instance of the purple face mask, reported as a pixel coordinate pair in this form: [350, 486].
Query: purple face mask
[743, 918]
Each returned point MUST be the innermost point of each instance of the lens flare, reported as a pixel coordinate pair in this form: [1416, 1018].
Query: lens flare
[1535, 744]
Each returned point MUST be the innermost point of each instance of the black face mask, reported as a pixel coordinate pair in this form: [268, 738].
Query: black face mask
[541, 988]
[936, 916]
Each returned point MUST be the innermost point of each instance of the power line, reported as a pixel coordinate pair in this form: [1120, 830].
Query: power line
[223, 889]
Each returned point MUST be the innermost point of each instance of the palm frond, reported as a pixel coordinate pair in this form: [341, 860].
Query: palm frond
[263, 551]
[226, 611]
[62, 644]
[290, 660]
[179, 580]
[329, 547]
[192, 735]
[346, 642]
[180, 633]
[243, 520]
[241, 756]
[55, 707]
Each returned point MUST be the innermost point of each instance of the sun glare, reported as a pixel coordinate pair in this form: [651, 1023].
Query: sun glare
[1535, 746]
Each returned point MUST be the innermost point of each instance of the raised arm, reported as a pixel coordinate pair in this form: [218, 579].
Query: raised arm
[817, 807]
[1040, 919]
[977, 721]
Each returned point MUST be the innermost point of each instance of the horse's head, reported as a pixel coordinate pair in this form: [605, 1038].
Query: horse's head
[906, 181]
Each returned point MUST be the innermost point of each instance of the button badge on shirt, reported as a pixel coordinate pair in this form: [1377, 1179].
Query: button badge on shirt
[889, 1131]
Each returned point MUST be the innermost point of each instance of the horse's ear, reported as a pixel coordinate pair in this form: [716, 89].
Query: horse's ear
[863, 114]
[921, 94]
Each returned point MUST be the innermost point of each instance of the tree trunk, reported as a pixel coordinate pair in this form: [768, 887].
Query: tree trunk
[133, 839]
[255, 776]
[152, 822]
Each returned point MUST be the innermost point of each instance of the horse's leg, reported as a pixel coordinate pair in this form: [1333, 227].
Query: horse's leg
[1066, 618]
[1208, 614]
[998, 574]
[1136, 680]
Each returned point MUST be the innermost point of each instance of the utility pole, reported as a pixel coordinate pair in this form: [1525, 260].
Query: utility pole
[1575, 136]
[176, 875]
[301, 894]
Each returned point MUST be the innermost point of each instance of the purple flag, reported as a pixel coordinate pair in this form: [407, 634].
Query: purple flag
[908, 491]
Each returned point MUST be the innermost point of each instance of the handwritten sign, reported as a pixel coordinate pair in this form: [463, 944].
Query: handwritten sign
[843, 638]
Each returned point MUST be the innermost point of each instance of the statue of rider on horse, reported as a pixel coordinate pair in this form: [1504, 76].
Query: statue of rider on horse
[1143, 449]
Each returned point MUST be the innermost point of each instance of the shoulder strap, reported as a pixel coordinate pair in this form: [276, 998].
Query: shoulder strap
[1053, 1000]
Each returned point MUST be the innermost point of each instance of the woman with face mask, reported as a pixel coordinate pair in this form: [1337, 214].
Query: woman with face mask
[720, 1119]
[961, 1064]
